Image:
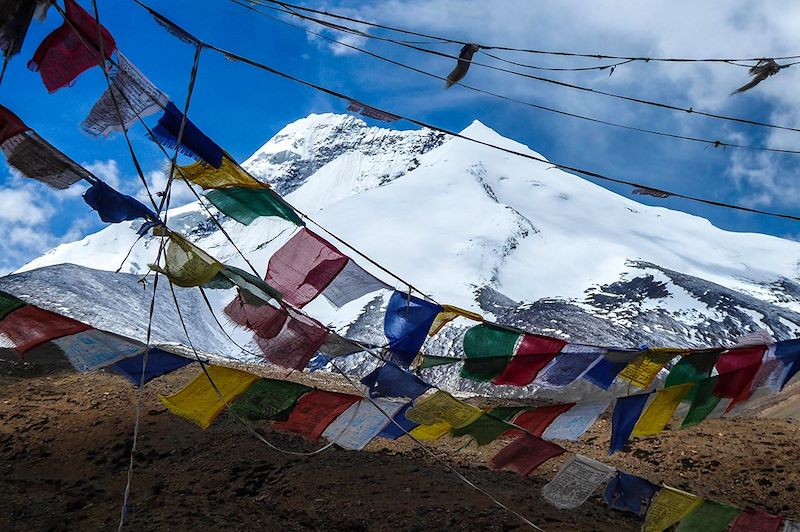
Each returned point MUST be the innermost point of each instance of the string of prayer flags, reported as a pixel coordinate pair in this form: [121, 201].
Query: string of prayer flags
[430, 432]
[570, 365]
[71, 49]
[245, 205]
[313, 413]
[389, 380]
[710, 516]
[571, 424]
[159, 362]
[130, 97]
[406, 324]
[392, 431]
[669, 506]
[788, 353]
[296, 343]
[630, 493]
[92, 349]
[693, 368]
[533, 354]
[15, 19]
[304, 266]
[448, 314]
[10, 125]
[269, 399]
[30, 326]
[9, 304]
[352, 283]
[525, 454]
[575, 482]
[488, 349]
[627, 411]
[360, 423]
[536, 420]
[604, 373]
[441, 406]
[644, 369]
[756, 521]
[703, 403]
[200, 401]
[114, 207]
[37, 159]
[194, 143]
[228, 175]
[187, 265]
[371, 112]
[660, 411]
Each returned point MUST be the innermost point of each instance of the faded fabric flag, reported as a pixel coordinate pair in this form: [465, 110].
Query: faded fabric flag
[441, 406]
[575, 482]
[644, 370]
[571, 425]
[533, 354]
[352, 283]
[10, 125]
[228, 175]
[187, 265]
[626, 413]
[756, 521]
[92, 349]
[536, 420]
[630, 493]
[703, 403]
[270, 399]
[790, 525]
[710, 516]
[71, 49]
[264, 320]
[406, 324]
[313, 413]
[159, 362]
[131, 96]
[245, 205]
[660, 411]
[199, 401]
[303, 267]
[296, 343]
[488, 349]
[569, 365]
[114, 207]
[389, 380]
[251, 286]
[338, 346]
[391, 431]
[15, 19]
[360, 423]
[194, 143]
[9, 304]
[37, 159]
[669, 506]
[29, 326]
[448, 314]
[525, 454]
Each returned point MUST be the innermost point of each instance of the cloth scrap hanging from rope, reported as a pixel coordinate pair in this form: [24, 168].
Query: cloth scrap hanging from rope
[15, 19]
[228, 175]
[71, 49]
[352, 283]
[630, 493]
[534, 353]
[187, 265]
[114, 207]
[626, 413]
[756, 521]
[360, 423]
[313, 413]
[448, 314]
[571, 425]
[159, 362]
[92, 349]
[245, 205]
[441, 406]
[9, 304]
[644, 370]
[669, 506]
[488, 349]
[536, 420]
[10, 125]
[571, 364]
[711, 516]
[660, 411]
[389, 380]
[525, 454]
[575, 482]
[37, 159]
[200, 403]
[194, 143]
[131, 96]
[270, 399]
[406, 324]
[30, 326]
[304, 266]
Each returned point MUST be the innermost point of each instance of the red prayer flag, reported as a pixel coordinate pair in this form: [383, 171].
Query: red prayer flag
[71, 49]
[737, 369]
[755, 521]
[525, 454]
[304, 267]
[30, 326]
[533, 354]
[265, 320]
[10, 125]
[296, 343]
[314, 412]
[537, 420]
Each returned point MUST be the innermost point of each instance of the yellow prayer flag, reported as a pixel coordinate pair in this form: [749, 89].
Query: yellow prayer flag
[199, 402]
[430, 432]
[442, 406]
[643, 370]
[187, 265]
[229, 174]
[448, 314]
[669, 506]
[660, 411]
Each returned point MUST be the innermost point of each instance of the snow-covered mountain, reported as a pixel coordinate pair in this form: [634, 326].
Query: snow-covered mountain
[509, 237]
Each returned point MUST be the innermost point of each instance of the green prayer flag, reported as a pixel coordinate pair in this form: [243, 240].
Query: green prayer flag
[488, 349]
[692, 368]
[246, 204]
[483, 430]
[710, 516]
[703, 403]
[430, 361]
[269, 399]
[9, 304]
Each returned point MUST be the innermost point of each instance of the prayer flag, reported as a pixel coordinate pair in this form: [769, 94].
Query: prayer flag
[488, 349]
[130, 97]
[303, 267]
[250, 285]
[313, 413]
[35, 158]
[247, 204]
[710, 516]
[406, 324]
[630, 493]
[371, 112]
[159, 362]
[536, 420]
[187, 265]
[338, 346]
[788, 353]
[296, 343]
[194, 143]
[485, 429]
[92, 349]
[756, 521]
[228, 175]
[441, 406]
[270, 399]
[448, 314]
[660, 411]
[115, 207]
[525, 454]
[389, 380]
[669, 506]
[430, 432]
[703, 403]
[534, 353]
[200, 401]
[604, 372]
[29, 326]
[569, 365]
[264, 320]
[693, 367]
[571, 424]
[10, 125]
[790, 525]
[626, 413]
[431, 361]
[737, 369]
[352, 283]
[15, 18]
[643, 371]
[9, 304]
[391, 431]
[575, 482]
[360, 423]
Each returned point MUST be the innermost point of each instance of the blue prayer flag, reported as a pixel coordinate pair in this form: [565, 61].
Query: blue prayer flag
[626, 413]
[788, 352]
[406, 325]
[115, 207]
[390, 380]
[159, 362]
[604, 373]
[392, 431]
[629, 492]
[194, 142]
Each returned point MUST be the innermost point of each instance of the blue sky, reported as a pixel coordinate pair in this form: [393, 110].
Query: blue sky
[241, 108]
